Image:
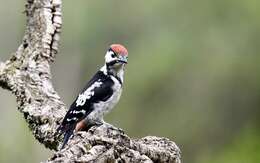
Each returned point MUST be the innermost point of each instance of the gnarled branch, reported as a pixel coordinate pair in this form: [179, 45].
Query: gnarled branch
[27, 75]
[27, 72]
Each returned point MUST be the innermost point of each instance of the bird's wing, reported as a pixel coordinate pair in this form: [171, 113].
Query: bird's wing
[99, 88]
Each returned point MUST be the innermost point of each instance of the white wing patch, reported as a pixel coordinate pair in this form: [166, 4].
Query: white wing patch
[76, 112]
[74, 119]
[81, 100]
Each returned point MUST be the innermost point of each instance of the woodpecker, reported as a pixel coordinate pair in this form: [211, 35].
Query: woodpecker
[99, 96]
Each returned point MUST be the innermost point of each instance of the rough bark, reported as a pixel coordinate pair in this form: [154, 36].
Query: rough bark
[27, 75]
[109, 144]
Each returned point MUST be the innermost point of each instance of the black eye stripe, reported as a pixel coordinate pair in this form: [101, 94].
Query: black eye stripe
[113, 55]
[110, 49]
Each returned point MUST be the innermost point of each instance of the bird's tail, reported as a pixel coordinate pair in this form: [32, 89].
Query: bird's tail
[67, 136]
[68, 131]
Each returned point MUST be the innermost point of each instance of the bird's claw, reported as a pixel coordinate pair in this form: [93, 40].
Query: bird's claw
[121, 130]
[111, 127]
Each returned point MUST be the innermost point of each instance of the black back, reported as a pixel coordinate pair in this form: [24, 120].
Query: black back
[101, 93]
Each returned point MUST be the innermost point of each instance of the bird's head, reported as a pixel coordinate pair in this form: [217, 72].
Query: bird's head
[116, 56]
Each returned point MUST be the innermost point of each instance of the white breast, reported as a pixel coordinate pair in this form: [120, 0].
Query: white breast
[102, 108]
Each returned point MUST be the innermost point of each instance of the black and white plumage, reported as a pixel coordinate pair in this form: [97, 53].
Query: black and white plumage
[99, 96]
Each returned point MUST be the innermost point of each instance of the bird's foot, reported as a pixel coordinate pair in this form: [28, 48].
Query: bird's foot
[111, 127]
[98, 123]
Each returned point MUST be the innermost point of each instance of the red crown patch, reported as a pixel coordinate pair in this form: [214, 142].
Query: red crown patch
[119, 49]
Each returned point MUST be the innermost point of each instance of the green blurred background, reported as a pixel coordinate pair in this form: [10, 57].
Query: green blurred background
[193, 73]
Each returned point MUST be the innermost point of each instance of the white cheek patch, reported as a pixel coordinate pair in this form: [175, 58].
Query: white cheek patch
[108, 57]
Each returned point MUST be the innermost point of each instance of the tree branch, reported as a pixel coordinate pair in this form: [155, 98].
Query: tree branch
[27, 72]
[104, 144]
[27, 75]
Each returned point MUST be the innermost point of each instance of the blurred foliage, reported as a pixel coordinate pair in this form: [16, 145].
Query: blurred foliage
[242, 149]
[193, 73]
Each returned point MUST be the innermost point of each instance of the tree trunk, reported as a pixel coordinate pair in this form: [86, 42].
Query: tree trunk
[27, 75]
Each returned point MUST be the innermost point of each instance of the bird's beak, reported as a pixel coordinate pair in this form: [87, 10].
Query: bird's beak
[122, 59]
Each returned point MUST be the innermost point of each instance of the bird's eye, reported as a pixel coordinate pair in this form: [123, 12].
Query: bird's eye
[113, 55]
